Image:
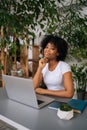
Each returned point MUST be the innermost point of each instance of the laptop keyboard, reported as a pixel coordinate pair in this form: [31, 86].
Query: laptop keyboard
[39, 102]
[5, 126]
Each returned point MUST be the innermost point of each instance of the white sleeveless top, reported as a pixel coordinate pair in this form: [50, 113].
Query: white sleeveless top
[54, 79]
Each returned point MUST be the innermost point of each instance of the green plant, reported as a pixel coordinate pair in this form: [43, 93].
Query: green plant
[1, 67]
[18, 20]
[65, 107]
[72, 25]
[80, 76]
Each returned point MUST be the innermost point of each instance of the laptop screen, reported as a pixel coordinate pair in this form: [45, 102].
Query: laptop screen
[22, 91]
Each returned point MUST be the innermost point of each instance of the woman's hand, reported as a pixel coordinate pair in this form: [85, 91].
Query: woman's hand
[42, 62]
[38, 77]
[40, 90]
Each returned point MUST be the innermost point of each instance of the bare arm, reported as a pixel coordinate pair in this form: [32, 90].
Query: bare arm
[68, 88]
[38, 76]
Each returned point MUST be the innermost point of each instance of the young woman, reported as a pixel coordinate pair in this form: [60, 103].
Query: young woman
[52, 69]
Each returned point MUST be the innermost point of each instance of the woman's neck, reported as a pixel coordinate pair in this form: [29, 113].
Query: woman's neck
[52, 65]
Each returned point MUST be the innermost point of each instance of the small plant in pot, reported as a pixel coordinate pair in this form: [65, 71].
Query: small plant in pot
[65, 107]
[80, 79]
[65, 112]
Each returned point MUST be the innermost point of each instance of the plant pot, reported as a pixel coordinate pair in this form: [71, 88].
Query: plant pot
[66, 115]
[81, 95]
[65, 112]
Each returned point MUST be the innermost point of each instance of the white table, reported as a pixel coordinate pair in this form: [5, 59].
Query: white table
[43, 119]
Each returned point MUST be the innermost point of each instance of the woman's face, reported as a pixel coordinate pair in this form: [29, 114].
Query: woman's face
[50, 51]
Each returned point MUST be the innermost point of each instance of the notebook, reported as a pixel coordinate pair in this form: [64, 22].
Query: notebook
[7, 124]
[78, 105]
[56, 104]
[22, 91]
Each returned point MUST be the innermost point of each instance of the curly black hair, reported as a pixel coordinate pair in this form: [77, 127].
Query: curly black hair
[59, 43]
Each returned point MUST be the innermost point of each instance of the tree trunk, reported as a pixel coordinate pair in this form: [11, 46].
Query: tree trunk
[24, 60]
[35, 59]
[5, 61]
[2, 52]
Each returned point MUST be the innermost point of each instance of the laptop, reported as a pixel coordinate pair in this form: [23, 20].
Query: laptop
[22, 91]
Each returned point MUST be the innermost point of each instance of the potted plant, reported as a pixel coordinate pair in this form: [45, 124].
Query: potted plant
[80, 78]
[65, 112]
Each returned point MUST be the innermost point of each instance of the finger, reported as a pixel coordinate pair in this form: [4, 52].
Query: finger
[45, 59]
